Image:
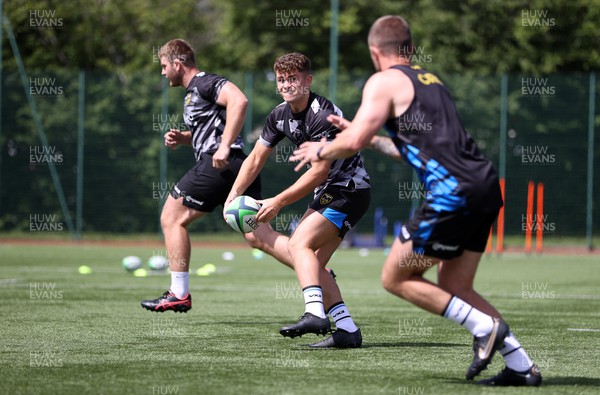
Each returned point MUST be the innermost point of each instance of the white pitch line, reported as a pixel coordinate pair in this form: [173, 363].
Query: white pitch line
[583, 330]
[575, 296]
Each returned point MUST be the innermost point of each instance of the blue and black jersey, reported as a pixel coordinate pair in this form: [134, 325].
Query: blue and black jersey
[431, 138]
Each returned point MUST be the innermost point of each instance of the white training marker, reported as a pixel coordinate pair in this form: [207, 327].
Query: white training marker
[228, 256]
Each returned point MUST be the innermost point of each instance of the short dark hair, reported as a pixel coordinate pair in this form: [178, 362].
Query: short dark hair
[391, 34]
[178, 49]
[292, 63]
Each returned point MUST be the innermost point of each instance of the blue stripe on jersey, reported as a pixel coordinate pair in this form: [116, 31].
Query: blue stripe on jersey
[441, 185]
[335, 216]
[412, 155]
[424, 231]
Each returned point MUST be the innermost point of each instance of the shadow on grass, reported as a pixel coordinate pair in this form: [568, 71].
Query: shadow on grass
[411, 344]
[546, 381]
[239, 323]
[564, 380]
[388, 345]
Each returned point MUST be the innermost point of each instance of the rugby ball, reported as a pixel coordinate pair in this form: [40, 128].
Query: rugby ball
[240, 214]
[131, 263]
[158, 262]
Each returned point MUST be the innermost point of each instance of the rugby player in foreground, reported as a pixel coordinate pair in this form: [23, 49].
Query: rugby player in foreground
[463, 197]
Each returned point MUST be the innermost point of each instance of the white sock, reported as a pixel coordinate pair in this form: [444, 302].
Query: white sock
[341, 317]
[313, 300]
[180, 284]
[514, 354]
[477, 322]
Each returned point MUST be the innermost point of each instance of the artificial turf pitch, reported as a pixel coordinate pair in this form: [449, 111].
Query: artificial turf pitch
[67, 333]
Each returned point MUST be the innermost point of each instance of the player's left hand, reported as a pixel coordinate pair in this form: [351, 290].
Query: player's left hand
[268, 211]
[307, 152]
[219, 159]
[226, 204]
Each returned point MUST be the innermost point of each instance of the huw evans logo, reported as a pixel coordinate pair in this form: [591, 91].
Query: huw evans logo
[45, 359]
[413, 124]
[536, 290]
[416, 54]
[537, 87]
[44, 19]
[45, 223]
[161, 190]
[290, 19]
[537, 155]
[412, 191]
[413, 327]
[287, 223]
[537, 19]
[283, 153]
[44, 291]
[162, 123]
[534, 223]
[45, 86]
[44, 155]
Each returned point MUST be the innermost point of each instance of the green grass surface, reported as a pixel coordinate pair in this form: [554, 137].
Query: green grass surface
[510, 241]
[66, 333]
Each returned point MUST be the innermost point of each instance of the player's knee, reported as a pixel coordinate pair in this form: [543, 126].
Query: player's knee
[394, 283]
[293, 245]
[170, 219]
[253, 241]
[388, 283]
[166, 219]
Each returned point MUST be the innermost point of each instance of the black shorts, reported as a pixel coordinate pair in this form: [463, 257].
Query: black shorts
[343, 206]
[203, 187]
[446, 234]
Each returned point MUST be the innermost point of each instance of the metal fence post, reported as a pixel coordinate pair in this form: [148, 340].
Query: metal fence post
[590, 164]
[80, 161]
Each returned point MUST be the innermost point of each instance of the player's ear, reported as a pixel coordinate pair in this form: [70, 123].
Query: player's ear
[375, 56]
[176, 64]
[309, 79]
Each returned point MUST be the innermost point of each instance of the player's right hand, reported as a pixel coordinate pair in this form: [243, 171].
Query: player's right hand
[173, 138]
[338, 121]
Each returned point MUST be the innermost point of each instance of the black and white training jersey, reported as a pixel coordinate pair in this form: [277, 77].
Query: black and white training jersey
[203, 116]
[311, 125]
